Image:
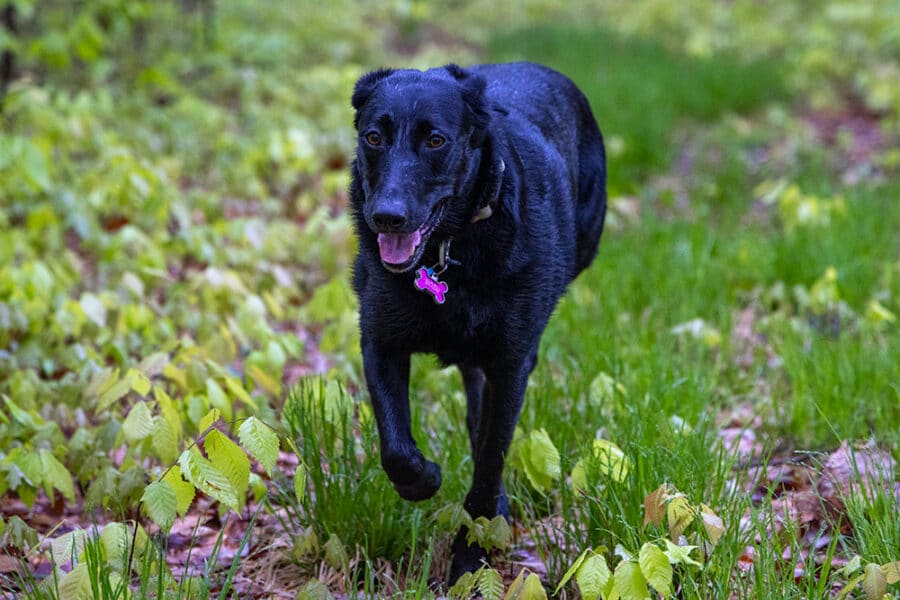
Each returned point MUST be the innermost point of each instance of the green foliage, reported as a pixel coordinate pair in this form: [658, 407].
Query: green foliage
[535, 455]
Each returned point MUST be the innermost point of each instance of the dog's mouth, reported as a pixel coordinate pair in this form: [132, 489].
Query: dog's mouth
[402, 251]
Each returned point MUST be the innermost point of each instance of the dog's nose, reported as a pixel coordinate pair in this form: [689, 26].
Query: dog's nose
[390, 219]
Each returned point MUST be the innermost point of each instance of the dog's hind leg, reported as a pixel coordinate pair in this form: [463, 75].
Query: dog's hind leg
[501, 400]
[474, 383]
[387, 375]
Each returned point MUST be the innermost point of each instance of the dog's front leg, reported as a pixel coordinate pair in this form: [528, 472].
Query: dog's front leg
[387, 375]
[501, 401]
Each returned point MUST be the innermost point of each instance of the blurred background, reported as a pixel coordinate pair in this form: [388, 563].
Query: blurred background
[173, 207]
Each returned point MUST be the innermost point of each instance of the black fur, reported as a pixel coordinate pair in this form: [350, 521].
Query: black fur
[521, 139]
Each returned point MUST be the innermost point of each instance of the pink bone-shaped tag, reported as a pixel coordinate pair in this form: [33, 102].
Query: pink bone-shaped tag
[426, 283]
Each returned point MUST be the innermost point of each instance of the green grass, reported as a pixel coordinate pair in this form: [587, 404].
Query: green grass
[640, 92]
[269, 124]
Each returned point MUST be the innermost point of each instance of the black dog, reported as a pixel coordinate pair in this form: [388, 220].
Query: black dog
[508, 163]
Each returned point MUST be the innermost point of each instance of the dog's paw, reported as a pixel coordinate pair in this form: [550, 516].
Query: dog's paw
[414, 477]
[467, 558]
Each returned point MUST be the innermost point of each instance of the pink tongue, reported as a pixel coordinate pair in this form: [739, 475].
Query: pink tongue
[397, 248]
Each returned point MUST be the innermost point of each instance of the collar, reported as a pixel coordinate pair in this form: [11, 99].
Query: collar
[496, 174]
[484, 212]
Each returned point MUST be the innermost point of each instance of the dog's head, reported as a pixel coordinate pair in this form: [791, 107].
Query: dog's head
[421, 140]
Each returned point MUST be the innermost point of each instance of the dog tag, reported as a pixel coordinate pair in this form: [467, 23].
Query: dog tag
[428, 282]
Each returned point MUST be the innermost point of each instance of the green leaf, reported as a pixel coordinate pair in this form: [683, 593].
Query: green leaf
[489, 584]
[56, 475]
[452, 516]
[592, 576]
[138, 424]
[169, 412]
[207, 478]
[139, 382]
[515, 588]
[679, 514]
[207, 421]
[217, 398]
[184, 491]
[497, 534]
[68, 547]
[314, 590]
[464, 587]
[300, 482]
[160, 504]
[533, 589]
[572, 570]
[236, 389]
[115, 540]
[335, 553]
[875, 582]
[112, 394]
[536, 456]
[612, 461]
[164, 440]
[603, 389]
[656, 568]
[76, 584]
[630, 582]
[260, 441]
[680, 554]
[891, 572]
[94, 308]
[228, 458]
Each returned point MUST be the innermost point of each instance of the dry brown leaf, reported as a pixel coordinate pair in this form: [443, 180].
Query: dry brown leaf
[850, 470]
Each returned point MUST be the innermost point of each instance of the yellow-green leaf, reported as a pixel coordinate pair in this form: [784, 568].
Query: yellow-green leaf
[207, 421]
[68, 547]
[679, 514]
[630, 583]
[217, 398]
[489, 583]
[533, 589]
[160, 503]
[164, 440]
[184, 490]
[891, 572]
[875, 582]
[656, 569]
[497, 534]
[536, 456]
[314, 590]
[139, 382]
[572, 570]
[335, 553]
[54, 474]
[138, 424]
[228, 458]
[592, 576]
[236, 389]
[260, 441]
[680, 554]
[169, 412]
[207, 478]
[76, 584]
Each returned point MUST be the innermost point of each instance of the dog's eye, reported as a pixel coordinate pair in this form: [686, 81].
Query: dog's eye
[436, 141]
[373, 138]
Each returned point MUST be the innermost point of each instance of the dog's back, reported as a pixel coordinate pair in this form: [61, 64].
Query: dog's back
[553, 104]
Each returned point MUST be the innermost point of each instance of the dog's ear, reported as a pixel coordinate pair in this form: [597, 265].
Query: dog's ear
[366, 85]
[473, 87]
